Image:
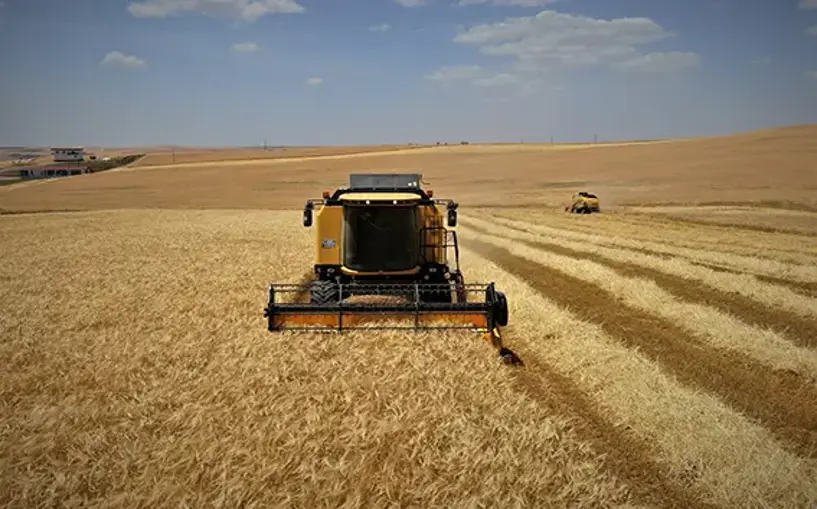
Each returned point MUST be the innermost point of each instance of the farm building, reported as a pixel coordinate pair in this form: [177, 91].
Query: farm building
[68, 154]
[53, 171]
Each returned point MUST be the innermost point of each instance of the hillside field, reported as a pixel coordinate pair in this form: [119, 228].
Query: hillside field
[670, 342]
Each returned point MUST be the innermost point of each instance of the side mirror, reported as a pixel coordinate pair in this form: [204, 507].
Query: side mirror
[308, 215]
[452, 216]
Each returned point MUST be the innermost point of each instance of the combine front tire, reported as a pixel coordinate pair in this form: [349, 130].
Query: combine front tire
[324, 292]
[501, 309]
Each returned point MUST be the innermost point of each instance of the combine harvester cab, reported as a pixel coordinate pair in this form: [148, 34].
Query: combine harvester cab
[382, 263]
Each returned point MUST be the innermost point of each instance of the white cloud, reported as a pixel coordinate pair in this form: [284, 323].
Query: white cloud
[314, 81]
[498, 80]
[503, 83]
[762, 61]
[383, 27]
[812, 74]
[119, 59]
[247, 10]
[411, 3]
[533, 51]
[245, 47]
[660, 62]
[453, 73]
[552, 40]
[807, 4]
[812, 31]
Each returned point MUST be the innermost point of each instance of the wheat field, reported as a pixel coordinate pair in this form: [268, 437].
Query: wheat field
[139, 373]
[668, 363]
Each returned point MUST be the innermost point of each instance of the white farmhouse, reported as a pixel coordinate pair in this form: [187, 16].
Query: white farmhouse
[67, 154]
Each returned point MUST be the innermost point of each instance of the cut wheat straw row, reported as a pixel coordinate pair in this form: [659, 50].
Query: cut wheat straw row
[766, 293]
[701, 440]
[766, 267]
[718, 328]
[787, 248]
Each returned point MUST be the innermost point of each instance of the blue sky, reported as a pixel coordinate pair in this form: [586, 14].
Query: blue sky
[296, 72]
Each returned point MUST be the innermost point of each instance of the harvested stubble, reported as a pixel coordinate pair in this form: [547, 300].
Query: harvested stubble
[139, 373]
[744, 294]
[785, 247]
[763, 217]
[754, 264]
[717, 328]
[675, 445]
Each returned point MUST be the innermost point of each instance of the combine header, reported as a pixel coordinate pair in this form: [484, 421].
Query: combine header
[383, 263]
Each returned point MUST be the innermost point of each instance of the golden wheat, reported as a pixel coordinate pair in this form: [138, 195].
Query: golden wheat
[719, 328]
[701, 442]
[139, 373]
[750, 264]
[743, 284]
[661, 368]
[783, 247]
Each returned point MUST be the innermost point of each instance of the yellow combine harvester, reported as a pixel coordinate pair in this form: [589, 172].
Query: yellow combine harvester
[383, 263]
[584, 203]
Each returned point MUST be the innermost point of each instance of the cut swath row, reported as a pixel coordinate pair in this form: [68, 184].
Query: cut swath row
[700, 345]
[708, 324]
[726, 296]
[785, 247]
[660, 434]
[777, 296]
[661, 242]
[802, 272]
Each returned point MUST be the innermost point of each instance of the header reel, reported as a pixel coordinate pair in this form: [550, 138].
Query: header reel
[384, 306]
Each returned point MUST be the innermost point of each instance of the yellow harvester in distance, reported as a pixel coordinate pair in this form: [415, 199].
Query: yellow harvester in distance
[584, 203]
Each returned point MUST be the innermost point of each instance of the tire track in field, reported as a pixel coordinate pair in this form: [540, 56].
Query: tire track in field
[625, 455]
[623, 228]
[679, 236]
[801, 330]
[739, 226]
[750, 263]
[807, 288]
[754, 265]
[801, 287]
[747, 304]
[781, 401]
[682, 220]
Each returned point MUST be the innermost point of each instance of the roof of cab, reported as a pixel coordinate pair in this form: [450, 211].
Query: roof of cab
[379, 197]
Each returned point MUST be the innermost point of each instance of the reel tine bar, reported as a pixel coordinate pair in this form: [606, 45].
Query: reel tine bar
[363, 305]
